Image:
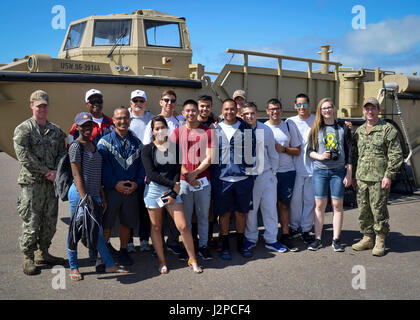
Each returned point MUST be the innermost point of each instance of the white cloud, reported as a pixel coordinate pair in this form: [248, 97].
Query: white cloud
[387, 37]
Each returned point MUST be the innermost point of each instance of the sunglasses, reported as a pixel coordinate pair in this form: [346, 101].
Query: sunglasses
[96, 101]
[299, 105]
[166, 100]
[326, 108]
[138, 101]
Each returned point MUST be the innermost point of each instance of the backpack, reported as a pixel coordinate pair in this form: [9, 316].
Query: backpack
[64, 177]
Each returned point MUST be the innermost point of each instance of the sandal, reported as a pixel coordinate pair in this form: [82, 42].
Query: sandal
[196, 268]
[116, 269]
[163, 269]
[75, 275]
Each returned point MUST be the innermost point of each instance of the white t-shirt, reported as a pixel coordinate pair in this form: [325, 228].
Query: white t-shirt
[229, 131]
[173, 123]
[303, 163]
[98, 120]
[286, 137]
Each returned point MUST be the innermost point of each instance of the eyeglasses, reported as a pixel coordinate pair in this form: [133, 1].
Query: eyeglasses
[166, 100]
[327, 108]
[138, 101]
[273, 109]
[299, 105]
[96, 101]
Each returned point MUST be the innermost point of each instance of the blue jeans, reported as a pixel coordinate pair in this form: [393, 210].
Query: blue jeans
[332, 178]
[101, 246]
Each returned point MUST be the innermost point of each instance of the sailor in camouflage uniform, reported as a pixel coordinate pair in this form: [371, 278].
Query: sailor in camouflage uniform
[377, 157]
[39, 145]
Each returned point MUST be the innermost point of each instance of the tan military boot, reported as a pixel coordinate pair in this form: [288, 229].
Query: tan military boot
[43, 257]
[29, 268]
[379, 249]
[364, 244]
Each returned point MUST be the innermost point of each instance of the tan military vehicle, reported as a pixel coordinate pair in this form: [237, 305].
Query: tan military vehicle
[151, 50]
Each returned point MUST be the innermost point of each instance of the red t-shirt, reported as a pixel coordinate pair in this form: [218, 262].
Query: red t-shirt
[193, 144]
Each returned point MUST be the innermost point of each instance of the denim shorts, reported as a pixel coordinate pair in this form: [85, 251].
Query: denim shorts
[152, 192]
[332, 178]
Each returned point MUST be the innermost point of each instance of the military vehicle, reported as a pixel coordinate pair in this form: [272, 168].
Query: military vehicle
[151, 50]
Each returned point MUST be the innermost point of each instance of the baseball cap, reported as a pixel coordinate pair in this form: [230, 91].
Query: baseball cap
[82, 118]
[372, 101]
[138, 93]
[90, 93]
[239, 93]
[39, 97]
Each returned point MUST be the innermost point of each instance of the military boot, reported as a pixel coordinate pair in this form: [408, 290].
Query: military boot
[379, 249]
[364, 244]
[43, 257]
[29, 267]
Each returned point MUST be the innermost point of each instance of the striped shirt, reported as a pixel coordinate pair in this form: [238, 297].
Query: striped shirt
[91, 167]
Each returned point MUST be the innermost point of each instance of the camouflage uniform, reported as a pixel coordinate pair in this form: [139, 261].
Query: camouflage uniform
[38, 151]
[375, 155]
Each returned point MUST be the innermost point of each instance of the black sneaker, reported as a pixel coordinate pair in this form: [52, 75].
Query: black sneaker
[307, 238]
[176, 249]
[287, 242]
[183, 256]
[112, 251]
[337, 246]
[314, 246]
[294, 233]
[100, 265]
[204, 253]
[124, 259]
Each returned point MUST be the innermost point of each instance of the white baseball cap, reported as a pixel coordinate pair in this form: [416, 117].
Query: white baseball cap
[91, 92]
[138, 93]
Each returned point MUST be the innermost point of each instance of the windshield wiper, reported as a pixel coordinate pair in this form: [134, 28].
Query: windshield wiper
[116, 43]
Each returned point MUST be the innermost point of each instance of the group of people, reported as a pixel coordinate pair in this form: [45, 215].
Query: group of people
[184, 172]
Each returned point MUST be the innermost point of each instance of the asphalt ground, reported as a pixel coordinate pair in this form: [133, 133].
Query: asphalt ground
[303, 275]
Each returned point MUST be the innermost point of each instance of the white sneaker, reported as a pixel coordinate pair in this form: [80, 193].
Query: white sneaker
[145, 246]
[131, 248]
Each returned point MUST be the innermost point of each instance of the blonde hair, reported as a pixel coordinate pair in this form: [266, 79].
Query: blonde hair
[318, 123]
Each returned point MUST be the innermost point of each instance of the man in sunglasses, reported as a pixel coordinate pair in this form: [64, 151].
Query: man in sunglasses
[302, 203]
[102, 124]
[167, 103]
[140, 117]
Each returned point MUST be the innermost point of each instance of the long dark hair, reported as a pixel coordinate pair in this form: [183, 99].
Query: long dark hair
[155, 119]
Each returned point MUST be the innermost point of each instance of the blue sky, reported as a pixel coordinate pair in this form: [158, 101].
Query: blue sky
[391, 39]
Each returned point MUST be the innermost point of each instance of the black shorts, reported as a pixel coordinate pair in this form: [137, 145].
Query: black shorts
[126, 207]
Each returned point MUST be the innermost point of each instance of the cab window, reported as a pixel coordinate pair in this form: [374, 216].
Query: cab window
[75, 36]
[162, 34]
[112, 32]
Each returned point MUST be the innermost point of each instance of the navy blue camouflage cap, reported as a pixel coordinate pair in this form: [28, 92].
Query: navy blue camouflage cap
[82, 118]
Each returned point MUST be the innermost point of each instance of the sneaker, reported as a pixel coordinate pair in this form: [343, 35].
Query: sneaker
[131, 248]
[249, 244]
[212, 244]
[337, 246]
[145, 246]
[124, 259]
[276, 246]
[314, 246]
[204, 253]
[287, 242]
[294, 233]
[307, 238]
[100, 265]
[225, 254]
[246, 252]
[183, 256]
[112, 251]
[176, 249]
